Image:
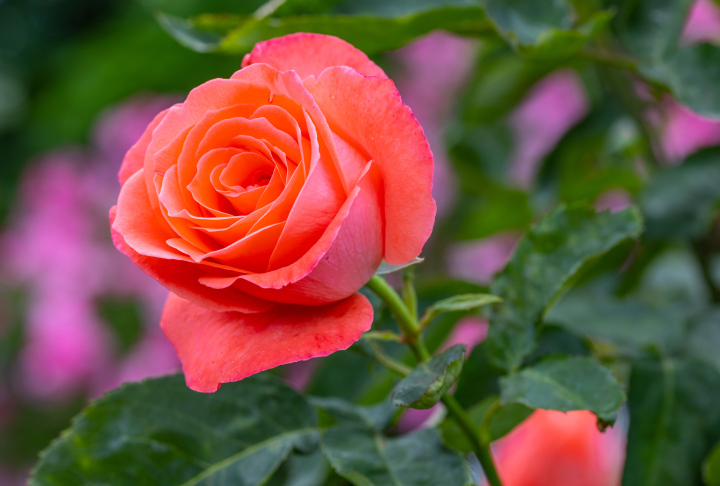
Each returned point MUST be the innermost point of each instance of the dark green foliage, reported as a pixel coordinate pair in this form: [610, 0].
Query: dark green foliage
[565, 384]
[674, 421]
[364, 458]
[543, 263]
[160, 432]
[430, 380]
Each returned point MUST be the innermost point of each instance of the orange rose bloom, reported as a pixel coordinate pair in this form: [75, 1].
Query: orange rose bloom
[265, 201]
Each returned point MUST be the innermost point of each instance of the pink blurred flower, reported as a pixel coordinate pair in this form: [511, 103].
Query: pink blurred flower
[686, 132]
[153, 356]
[299, 375]
[471, 331]
[58, 249]
[479, 261]
[549, 110]
[613, 199]
[560, 449]
[435, 67]
[703, 23]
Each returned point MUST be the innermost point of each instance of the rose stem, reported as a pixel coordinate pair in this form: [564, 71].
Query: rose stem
[412, 332]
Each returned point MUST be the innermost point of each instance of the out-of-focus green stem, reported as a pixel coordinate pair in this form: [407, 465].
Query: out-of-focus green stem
[409, 294]
[411, 330]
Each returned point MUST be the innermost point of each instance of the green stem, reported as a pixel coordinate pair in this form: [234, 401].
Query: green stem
[388, 362]
[482, 450]
[408, 324]
[411, 330]
[409, 294]
[609, 58]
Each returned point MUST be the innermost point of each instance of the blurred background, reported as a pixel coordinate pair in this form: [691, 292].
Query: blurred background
[80, 80]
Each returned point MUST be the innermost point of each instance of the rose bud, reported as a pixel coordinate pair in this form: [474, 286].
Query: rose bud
[265, 201]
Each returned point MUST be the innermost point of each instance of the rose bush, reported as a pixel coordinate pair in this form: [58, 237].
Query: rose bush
[265, 201]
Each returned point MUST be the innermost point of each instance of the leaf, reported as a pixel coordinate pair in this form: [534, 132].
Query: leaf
[163, 432]
[674, 421]
[542, 29]
[497, 209]
[692, 74]
[386, 268]
[377, 417]
[711, 467]
[650, 29]
[542, 265]
[704, 339]
[478, 379]
[631, 325]
[565, 385]
[368, 32]
[430, 380]
[556, 341]
[365, 458]
[503, 420]
[185, 33]
[457, 303]
[680, 202]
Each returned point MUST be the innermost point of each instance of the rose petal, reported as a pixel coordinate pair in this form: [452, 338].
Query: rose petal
[310, 54]
[182, 278]
[221, 347]
[141, 227]
[315, 207]
[135, 157]
[342, 261]
[212, 95]
[368, 112]
[288, 86]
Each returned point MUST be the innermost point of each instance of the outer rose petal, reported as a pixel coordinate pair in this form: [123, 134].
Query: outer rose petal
[220, 347]
[135, 157]
[368, 113]
[310, 54]
[182, 278]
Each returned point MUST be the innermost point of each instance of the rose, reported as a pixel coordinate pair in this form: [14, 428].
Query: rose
[265, 201]
[553, 448]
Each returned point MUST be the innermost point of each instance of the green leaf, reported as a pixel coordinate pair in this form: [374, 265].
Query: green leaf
[711, 467]
[124, 317]
[163, 432]
[234, 34]
[556, 341]
[463, 303]
[498, 209]
[631, 325]
[386, 268]
[680, 201]
[430, 380]
[565, 385]
[377, 417]
[692, 74]
[542, 29]
[674, 421]
[542, 265]
[457, 303]
[704, 339]
[478, 379]
[650, 29]
[503, 420]
[365, 458]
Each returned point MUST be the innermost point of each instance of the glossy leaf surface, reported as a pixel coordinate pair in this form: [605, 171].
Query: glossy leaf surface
[565, 385]
[543, 263]
[163, 432]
